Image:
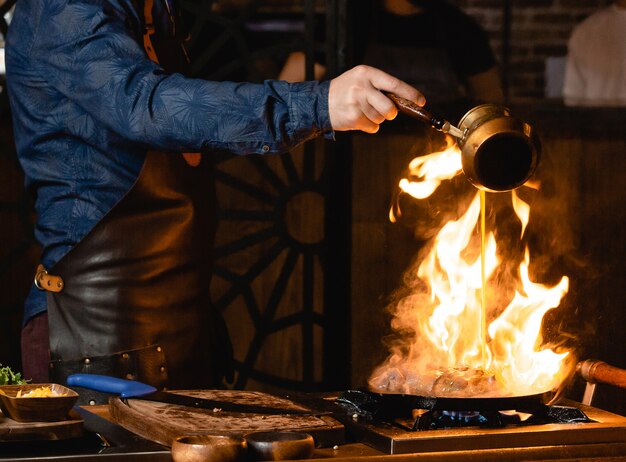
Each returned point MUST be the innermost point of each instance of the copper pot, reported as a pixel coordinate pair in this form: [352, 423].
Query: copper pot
[499, 151]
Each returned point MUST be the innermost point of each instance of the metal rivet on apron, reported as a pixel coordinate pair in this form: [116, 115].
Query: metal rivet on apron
[92, 403]
[163, 369]
[87, 361]
[60, 284]
[125, 356]
[266, 148]
[159, 349]
[130, 376]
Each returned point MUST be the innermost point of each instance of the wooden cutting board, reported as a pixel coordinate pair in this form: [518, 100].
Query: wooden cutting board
[161, 422]
[11, 430]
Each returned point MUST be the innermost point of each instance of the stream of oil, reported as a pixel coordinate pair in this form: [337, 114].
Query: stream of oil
[483, 288]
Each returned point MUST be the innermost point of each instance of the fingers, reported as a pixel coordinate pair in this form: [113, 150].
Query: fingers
[355, 101]
[375, 109]
[383, 106]
[366, 117]
[383, 81]
[362, 116]
[369, 127]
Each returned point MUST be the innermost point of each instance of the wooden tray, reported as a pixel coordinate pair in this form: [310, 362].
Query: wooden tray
[161, 422]
[10, 430]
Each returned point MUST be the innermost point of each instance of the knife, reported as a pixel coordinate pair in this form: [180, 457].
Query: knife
[131, 389]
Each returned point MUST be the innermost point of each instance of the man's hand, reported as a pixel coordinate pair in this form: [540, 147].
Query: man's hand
[356, 103]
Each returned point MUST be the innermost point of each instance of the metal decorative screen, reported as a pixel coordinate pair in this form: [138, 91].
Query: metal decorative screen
[278, 244]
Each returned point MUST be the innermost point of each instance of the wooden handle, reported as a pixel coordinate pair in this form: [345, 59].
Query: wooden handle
[411, 109]
[601, 372]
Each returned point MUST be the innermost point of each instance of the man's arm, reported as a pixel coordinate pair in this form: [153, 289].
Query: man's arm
[91, 53]
[91, 56]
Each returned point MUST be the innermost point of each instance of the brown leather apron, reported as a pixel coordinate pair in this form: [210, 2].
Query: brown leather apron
[135, 301]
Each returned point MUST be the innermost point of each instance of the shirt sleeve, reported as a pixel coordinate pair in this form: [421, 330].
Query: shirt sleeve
[92, 55]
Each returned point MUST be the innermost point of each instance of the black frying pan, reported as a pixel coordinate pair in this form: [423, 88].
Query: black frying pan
[391, 405]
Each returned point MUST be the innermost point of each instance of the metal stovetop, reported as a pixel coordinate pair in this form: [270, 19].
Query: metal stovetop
[606, 430]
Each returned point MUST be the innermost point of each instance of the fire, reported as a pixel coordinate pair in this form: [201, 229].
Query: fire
[427, 172]
[455, 290]
[516, 337]
[522, 209]
[445, 350]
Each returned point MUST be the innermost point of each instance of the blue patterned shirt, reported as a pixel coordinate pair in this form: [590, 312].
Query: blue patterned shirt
[87, 103]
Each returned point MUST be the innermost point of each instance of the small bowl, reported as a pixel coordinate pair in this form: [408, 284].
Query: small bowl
[205, 448]
[43, 409]
[280, 445]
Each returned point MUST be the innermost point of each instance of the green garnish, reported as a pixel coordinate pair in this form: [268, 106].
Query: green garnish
[8, 377]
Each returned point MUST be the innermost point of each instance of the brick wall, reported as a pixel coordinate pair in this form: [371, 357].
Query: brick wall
[539, 29]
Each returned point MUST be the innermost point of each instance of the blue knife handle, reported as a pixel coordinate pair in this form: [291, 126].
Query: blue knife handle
[122, 387]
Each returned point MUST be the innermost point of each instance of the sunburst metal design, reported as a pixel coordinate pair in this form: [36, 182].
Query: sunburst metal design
[270, 266]
[273, 254]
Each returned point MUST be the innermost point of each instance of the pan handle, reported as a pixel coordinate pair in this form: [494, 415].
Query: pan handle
[594, 371]
[124, 388]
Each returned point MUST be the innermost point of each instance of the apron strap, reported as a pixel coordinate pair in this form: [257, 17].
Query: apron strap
[47, 281]
[149, 30]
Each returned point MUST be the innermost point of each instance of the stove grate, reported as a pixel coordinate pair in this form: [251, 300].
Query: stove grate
[404, 414]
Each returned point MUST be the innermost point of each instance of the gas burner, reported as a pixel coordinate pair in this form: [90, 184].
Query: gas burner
[430, 420]
[435, 419]
[417, 413]
[496, 428]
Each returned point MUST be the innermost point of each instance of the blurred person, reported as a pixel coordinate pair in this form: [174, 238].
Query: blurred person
[428, 43]
[595, 70]
[115, 143]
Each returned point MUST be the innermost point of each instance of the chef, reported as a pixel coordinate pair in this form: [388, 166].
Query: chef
[115, 143]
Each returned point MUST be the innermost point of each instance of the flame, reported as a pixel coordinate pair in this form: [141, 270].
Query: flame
[430, 170]
[522, 210]
[455, 289]
[516, 338]
[427, 172]
[444, 351]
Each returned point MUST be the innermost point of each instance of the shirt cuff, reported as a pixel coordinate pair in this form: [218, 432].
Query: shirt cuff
[308, 104]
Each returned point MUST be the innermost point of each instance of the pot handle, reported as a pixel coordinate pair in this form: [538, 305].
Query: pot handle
[411, 109]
